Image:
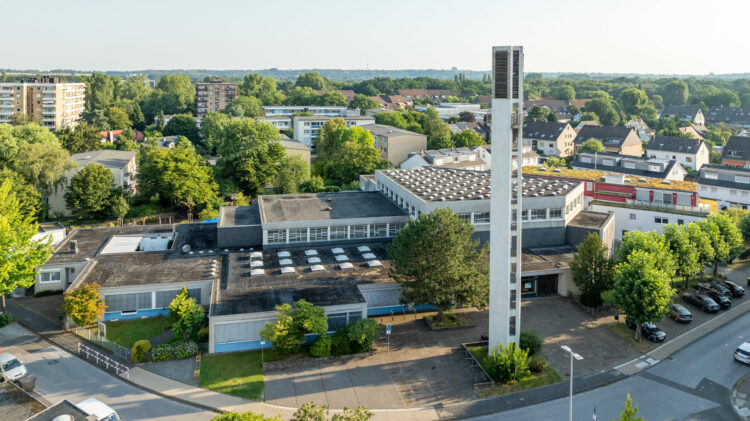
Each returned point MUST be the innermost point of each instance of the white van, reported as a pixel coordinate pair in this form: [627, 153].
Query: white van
[97, 408]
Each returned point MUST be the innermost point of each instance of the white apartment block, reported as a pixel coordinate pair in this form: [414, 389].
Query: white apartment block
[692, 153]
[48, 101]
[281, 115]
[307, 128]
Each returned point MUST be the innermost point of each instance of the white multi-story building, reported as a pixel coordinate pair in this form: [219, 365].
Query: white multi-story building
[281, 115]
[729, 186]
[692, 153]
[307, 128]
[47, 100]
[505, 236]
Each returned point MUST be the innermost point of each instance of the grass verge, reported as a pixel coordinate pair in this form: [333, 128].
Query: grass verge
[127, 332]
[237, 374]
[532, 381]
[621, 330]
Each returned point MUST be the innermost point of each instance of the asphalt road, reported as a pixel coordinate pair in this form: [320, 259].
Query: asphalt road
[61, 375]
[694, 384]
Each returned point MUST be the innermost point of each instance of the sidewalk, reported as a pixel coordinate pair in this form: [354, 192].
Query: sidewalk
[741, 398]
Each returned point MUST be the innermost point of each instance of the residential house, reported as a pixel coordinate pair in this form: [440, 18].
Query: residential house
[552, 139]
[293, 147]
[434, 94]
[731, 116]
[480, 129]
[394, 143]
[640, 126]
[692, 153]
[692, 131]
[122, 164]
[729, 186]
[736, 152]
[685, 112]
[617, 140]
[391, 102]
[462, 158]
[307, 128]
[557, 106]
[629, 165]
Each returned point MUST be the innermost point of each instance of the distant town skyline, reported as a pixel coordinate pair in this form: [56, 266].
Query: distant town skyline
[646, 37]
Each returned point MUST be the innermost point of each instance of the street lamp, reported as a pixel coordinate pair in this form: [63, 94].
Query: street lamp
[579, 358]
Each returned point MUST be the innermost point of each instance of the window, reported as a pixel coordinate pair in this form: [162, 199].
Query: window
[319, 234]
[512, 325]
[661, 220]
[378, 230]
[395, 229]
[624, 232]
[711, 175]
[667, 197]
[483, 218]
[628, 164]
[464, 217]
[742, 179]
[555, 213]
[525, 214]
[680, 222]
[276, 236]
[589, 185]
[336, 321]
[538, 214]
[359, 231]
[733, 192]
[129, 302]
[632, 217]
[355, 316]
[689, 159]
[49, 276]
[297, 235]
[339, 232]
[512, 299]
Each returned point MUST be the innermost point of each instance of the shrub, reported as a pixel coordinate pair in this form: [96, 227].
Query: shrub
[362, 334]
[5, 319]
[530, 341]
[185, 314]
[140, 348]
[537, 364]
[174, 351]
[202, 335]
[505, 362]
[340, 343]
[321, 347]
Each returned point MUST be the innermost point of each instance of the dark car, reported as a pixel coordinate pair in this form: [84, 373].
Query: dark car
[737, 291]
[701, 300]
[649, 330]
[680, 314]
[718, 297]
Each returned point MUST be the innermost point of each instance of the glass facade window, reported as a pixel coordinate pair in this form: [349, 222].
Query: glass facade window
[555, 213]
[339, 232]
[297, 235]
[276, 236]
[336, 321]
[512, 325]
[355, 316]
[484, 218]
[538, 214]
[379, 230]
[525, 214]
[395, 229]
[319, 234]
[359, 231]
[464, 217]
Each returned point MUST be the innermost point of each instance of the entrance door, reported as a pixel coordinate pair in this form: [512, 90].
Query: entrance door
[547, 284]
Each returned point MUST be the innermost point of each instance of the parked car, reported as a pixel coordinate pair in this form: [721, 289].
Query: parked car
[701, 300]
[11, 367]
[649, 330]
[680, 314]
[97, 408]
[721, 288]
[742, 353]
[719, 298]
[737, 291]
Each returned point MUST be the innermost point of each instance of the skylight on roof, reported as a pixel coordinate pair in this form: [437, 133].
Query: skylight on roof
[317, 268]
[346, 265]
[337, 250]
[284, 254]
[368, 256]
[256, 264]
[313, 260]
[341, 258]
[287, 270]
[311, 252]
[285, 262]
[363, 249]
[256, 255]
[374, 263]
[257, 272]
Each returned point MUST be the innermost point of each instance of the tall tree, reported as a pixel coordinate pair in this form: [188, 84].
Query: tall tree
[292, 172]
[100, 91]
[725, 238]
[650, 242]
[592, 270]
[118, 119]
[84, 138]
[29, 199]
[345, 153]
[135, 88]
[43, 166]
[564, 92]
[686, 255]
[84, 305]
[364, 103]
[182, 125]
[179, 92]
[675, 93]
[20, 253]
[262, 87]
[467, 139]
[249, 154]
[312, 80]
[250, 106]
[642, 289]
[89, 193]
[436, 262]
[605, 110]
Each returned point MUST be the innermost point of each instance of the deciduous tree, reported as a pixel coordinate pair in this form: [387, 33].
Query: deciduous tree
[292, 172]
[250, 106]
[88, 195]
[436, 262]
[364, 103]
[185, 314]
[345, 153]
[592, 145]
[84, 305]
[84, 138]
[182, 125]
[592, 270]
[287, 333]
[467, 139]
[675, 93]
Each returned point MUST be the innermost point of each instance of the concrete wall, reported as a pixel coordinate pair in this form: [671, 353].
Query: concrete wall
[397, 148]
[239, 236]
[629, 219]
[542, 237]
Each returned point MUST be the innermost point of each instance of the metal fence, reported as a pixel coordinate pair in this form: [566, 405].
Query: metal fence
[661, 205]
[95, 337]
[93, 355]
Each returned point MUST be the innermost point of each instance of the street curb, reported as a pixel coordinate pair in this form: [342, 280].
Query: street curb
[735, 406]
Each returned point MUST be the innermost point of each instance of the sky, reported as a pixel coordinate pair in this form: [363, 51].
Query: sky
[605, 36]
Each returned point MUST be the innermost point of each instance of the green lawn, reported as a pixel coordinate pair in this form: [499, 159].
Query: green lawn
[127, 332]
[533, 380]
[629, 336]
[238, 374]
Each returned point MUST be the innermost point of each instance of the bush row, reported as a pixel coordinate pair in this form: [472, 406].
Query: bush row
[174, 351]
[354, 338]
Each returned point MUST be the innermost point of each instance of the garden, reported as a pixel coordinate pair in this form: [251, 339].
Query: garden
[514, 368]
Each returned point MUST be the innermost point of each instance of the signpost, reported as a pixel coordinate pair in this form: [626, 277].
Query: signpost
[388, 335]
[262, 344]
[101, 330]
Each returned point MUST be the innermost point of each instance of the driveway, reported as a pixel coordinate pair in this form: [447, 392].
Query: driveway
[423, 367]
[60, 375]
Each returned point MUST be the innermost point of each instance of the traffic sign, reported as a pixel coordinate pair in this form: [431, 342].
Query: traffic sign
[387, 329]
[262, 343]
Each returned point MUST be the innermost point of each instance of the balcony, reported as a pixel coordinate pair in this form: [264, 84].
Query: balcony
[701, 210]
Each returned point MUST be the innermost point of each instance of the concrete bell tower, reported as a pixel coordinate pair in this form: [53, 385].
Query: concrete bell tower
[505, 202]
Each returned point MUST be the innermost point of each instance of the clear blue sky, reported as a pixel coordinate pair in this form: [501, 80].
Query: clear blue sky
[639, 36]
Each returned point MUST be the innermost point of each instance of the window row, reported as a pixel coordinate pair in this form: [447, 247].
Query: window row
[134, 301]
[338, 232]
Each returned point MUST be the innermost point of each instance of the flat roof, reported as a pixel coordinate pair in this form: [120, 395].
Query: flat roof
[315, 206]
[91, 240]
[388, 131]
[240, 292]
[239, 215]
[64, 407]
[652, 183]
[546, 258]
[17, 404]
[293, 144]
[590, 219]
[440, 184]
[108, 158]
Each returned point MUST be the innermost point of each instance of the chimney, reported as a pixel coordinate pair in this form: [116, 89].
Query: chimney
[74, 246]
